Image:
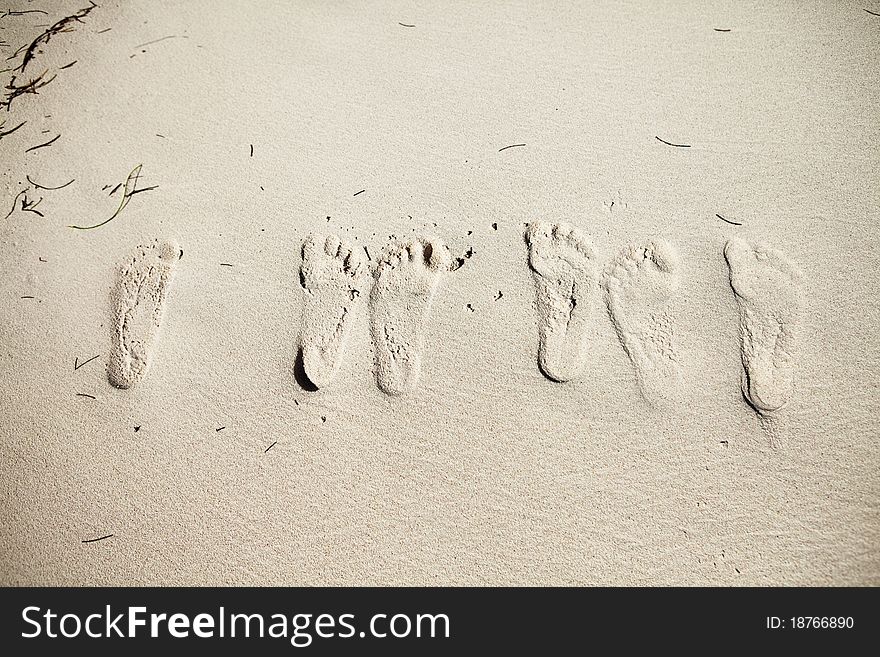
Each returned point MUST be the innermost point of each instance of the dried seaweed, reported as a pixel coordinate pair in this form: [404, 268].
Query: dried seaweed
[60, 27]
[130, 189]
[4, 133]
[15, 90]
[31, 51]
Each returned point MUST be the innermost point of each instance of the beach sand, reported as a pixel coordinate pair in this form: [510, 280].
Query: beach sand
[615, 323]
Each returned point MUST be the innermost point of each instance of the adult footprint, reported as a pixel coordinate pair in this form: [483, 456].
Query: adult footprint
[406, 276]
[639, 284]
[768, 291]
[564, 269]
[137, 305]
[332, 275]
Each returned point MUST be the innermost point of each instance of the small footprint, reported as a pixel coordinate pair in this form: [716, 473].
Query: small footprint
[639, 284]
[406, 276]
[768, 291]
[137, 305]
[564, 270]
[333, 275]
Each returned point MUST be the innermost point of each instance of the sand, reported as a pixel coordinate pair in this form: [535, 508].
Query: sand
[678, 387]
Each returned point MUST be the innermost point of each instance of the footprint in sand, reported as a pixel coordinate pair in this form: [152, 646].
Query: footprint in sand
[332, 275]
[768, 291]
[564, 269]
[406, 276]
[137, 304]
[639, 284]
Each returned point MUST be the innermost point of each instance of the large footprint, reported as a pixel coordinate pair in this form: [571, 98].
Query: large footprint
[332, 275]
[406, 276]
[137, 303]
[564, 269]
[768, 291]
[639, 284]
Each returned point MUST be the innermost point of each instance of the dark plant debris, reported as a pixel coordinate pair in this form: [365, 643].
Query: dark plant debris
[67, 24]
[43, 145]
[22, 12]
[60, 27]
[77, 364]
[732, 223]
[101, 538]
[669, 143]
[15, 90]
[459, 261]
[3, 133]
[38, 186]
[29, 206]
[130, 189]
[15, 203]
[150, 43]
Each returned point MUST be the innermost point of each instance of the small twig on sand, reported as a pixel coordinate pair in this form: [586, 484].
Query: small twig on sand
[10, 12]
[27, 206]
[48, 143]
[150, 43]
[101, 538]
[732, 223]
[77, 364]
[15, 203]
[144, 189]
[3, 133]
[669, 143]
[38, 186]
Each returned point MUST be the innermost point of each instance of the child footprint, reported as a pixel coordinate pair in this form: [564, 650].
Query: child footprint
[639, 284]
[768, 292]
[406, 276]
[137, 305]
[332, 275]
[564, 269]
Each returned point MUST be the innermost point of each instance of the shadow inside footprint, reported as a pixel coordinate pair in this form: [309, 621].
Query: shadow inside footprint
[299, 373]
